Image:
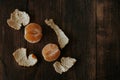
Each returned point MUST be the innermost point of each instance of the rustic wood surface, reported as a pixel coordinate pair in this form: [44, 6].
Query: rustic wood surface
[93, 27]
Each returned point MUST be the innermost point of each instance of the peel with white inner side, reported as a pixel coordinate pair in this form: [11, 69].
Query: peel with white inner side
[65, 65]
[62, 38]
[17, 19]
[22, 59]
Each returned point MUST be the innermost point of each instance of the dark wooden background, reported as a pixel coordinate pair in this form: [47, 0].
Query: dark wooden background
[93, 27]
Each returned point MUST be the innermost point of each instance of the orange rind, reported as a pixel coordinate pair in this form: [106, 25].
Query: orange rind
[20, 56]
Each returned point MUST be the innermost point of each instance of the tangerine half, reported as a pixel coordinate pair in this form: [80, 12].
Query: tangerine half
[50, 52]
[33, 33]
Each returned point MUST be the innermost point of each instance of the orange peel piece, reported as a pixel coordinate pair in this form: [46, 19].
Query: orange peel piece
[17, 19]
[22, 59]
[65, 64]
[62, 38]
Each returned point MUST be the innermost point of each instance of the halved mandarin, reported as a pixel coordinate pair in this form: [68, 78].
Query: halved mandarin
[50, 52]
[33, 33]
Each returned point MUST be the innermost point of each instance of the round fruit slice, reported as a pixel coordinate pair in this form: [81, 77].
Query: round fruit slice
[33, 33]
[50, 52]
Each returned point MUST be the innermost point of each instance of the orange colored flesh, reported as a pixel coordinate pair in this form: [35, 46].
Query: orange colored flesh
[30, 27]
[33, 33]
[50, 52]
[33, 56]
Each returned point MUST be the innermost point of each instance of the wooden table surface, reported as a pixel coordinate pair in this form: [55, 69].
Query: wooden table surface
[93, 27]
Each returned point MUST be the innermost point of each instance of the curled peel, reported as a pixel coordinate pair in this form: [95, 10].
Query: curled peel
[17, 19]
[65, 64]
[62, 38]
[22, 59]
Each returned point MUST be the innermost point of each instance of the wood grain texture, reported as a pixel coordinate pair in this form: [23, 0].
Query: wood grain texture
[91, 25]
[108, 45]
